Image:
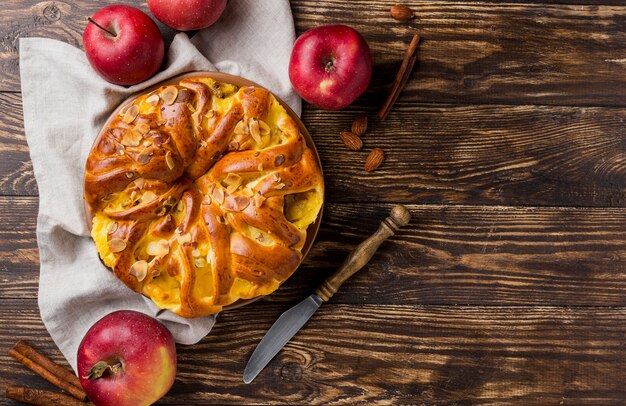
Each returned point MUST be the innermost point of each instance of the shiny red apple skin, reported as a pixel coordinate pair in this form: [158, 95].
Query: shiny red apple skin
[187, 15]
[133, 55]
[330, 66]
[146, 350]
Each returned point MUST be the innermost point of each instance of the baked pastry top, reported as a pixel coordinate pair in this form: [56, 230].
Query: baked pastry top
[201, 194]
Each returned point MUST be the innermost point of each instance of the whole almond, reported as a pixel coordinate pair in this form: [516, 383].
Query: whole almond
[351, 140]
[401, 12]
[374, 159]
[359, 124]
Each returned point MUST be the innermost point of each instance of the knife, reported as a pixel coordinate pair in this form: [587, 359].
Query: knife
[291, 321]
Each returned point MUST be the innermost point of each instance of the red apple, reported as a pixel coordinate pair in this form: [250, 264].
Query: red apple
[330, 66]
[187, 15]
[127, 359]
[123, 44]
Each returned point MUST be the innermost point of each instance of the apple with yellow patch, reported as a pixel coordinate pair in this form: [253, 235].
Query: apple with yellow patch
[330, 66]
[127, 359]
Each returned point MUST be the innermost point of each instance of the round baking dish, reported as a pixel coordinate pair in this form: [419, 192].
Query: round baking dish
[312, 230]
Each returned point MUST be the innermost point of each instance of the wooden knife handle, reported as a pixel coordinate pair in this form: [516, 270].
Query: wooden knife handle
[361, 255]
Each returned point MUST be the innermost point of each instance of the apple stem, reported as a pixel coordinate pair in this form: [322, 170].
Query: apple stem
[329, 66]
[101, 27]
[100, 368]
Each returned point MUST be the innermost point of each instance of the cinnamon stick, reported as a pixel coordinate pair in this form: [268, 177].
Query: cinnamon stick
[401, 77]
[47, 369]
[41, 397]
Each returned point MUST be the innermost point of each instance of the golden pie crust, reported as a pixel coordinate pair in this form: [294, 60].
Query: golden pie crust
[201, 193]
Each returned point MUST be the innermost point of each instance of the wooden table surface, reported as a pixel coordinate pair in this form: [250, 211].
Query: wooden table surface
[509, 284]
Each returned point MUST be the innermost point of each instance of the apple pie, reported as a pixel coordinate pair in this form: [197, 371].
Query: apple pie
[200, 194]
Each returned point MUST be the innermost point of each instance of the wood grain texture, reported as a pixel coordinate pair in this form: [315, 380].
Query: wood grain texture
[455, 255]
[389, 354]
[512, 155]
[471, 51]
[60, 20]
[490, 52]
[438, 154]
[16, 168]
[479, 300]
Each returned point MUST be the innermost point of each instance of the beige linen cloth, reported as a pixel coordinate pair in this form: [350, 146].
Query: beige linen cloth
[65, 105]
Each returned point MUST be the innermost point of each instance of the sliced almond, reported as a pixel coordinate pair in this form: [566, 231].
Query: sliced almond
[207, 200]
[180, 206]
[195, 253]
[112, 227]
[258, 200]
[234, 180]
[210, 257]
[265, 129]
[260, 167]
[255, 131]
[129, 175]
[184, 239]
[131, 114]
[131, 139]
[153, 100]
[119, 148]
[280, 186]
[144, 158]
[183, 96]
[139, 270]
[117, 245]
[241, 128]
[265, 139]
[236, 203]
[139, 182]
[169, 95]
[200, 262]
[148, 196]
[233, 146]
[158, 248]
[169, 160]
[218, 195]
[143, 128]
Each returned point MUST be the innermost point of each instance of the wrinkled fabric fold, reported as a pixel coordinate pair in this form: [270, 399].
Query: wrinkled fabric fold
[66, 103]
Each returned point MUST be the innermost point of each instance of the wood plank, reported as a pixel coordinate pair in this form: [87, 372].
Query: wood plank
[475, 52]
[388, 354]
[471, 52]
[16, 168]
[438, 154]
[448, 255]
[511, 155]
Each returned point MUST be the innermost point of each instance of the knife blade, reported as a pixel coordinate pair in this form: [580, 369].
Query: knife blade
[287, 325]
[291, 321]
